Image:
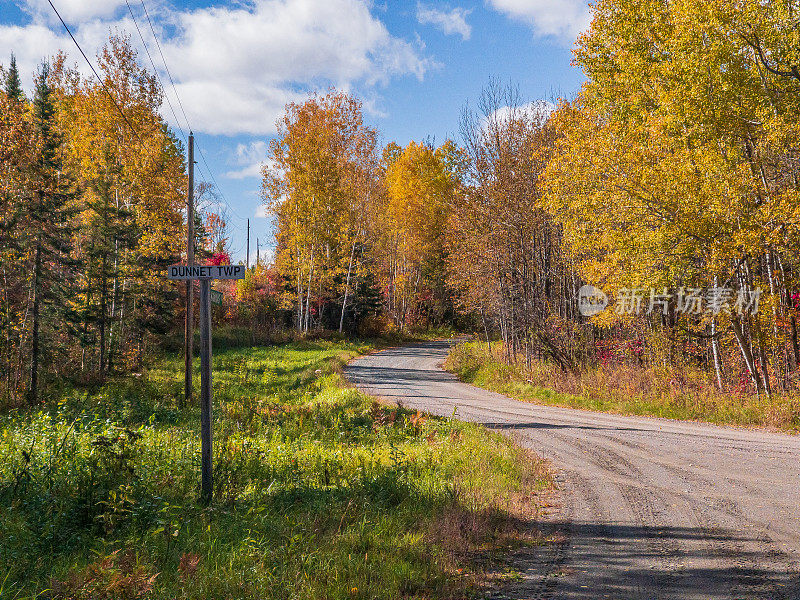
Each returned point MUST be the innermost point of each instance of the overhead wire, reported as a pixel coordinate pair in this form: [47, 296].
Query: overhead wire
[180, 103]
[152, 62]
[216, 185]
[169, 103]
[91, 66]
[166, 66]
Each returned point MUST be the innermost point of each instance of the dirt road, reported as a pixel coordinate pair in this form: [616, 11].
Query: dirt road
[647, 509]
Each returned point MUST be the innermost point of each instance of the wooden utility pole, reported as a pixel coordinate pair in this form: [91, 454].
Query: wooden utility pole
[206, 449]
[248, 243]
[258, 254]
[189, 325]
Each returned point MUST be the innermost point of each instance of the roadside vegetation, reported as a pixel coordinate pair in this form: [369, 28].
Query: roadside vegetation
[665, 194]
[622, 388]
[671, 181]
[320, 492]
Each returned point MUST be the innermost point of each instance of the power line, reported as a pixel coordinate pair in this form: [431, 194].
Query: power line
[216, 185]
[155, 70]
[209, 178]
[164, 60]
[91, 66]
[178, 98]
[180, 104]
[152, 62]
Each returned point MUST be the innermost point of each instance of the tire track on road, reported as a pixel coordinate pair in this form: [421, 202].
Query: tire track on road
[648, 508]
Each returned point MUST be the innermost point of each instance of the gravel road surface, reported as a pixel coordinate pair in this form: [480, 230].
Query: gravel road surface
[646, 509]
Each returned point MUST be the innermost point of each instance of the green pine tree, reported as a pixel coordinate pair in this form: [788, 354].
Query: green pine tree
[15, 155]
[112, 233]
[13, 86]
[49, 234]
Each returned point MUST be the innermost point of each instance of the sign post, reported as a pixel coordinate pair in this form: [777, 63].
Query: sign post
[205, 274]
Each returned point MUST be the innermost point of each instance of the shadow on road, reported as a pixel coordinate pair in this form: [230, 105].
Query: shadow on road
[616, 536]
[681, 565]
[362, 375]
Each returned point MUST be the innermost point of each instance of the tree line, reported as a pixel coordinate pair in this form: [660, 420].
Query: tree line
[360, 230]
[671, 179]
[90, 214]
[670, 182]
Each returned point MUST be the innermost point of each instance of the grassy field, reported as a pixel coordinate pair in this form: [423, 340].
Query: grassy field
[319, 491]
[631, 390]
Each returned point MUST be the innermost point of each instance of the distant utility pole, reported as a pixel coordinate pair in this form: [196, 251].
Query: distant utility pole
[248, 243]
[258, 254]
[189, 325]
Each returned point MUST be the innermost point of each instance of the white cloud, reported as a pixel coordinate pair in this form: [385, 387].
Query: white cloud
[538, 109]
[261, 212]
[236, 67]
[290, 40]
[30, 45]
[563, 19]
[250, 158]
[452, 21]
[244, 64]
[230, 108]
[38, 41]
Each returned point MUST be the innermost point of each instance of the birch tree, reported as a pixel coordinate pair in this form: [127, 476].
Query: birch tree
[318, 183]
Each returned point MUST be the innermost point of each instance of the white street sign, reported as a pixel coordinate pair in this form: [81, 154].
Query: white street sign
[184, 272]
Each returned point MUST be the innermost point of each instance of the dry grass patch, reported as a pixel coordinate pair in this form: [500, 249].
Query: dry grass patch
[686, 394]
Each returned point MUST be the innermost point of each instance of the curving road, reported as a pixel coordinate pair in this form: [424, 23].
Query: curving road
[648, 508]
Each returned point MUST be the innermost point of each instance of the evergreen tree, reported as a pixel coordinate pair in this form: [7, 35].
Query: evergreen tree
[366, 302]
[49, 232]
[15, 157]
[13, 87]
[113, 232]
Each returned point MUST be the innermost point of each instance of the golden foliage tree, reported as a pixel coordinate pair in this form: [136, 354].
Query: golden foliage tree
[319, 183]
[676, 166]
[421, 184]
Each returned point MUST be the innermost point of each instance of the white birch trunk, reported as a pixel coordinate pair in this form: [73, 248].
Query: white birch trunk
[347, 286]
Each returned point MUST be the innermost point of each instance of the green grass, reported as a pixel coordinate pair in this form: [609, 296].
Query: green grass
[319, 491]
[624, 389]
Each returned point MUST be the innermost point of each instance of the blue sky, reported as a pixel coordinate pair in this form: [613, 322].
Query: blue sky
[235, 64]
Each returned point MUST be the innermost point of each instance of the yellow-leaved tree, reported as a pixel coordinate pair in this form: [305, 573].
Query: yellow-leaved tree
[132, 175]
[421, 184]
[319, 183]
[676, 165]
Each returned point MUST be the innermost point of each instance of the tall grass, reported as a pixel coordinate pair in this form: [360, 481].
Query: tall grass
[626, 389]
[319, 491]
